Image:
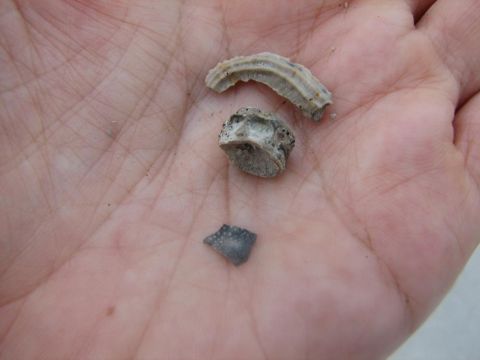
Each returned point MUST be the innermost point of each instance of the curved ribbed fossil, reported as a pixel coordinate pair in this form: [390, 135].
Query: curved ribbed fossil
[291, 81]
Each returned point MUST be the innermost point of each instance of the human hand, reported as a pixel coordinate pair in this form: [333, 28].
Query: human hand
[111, 176]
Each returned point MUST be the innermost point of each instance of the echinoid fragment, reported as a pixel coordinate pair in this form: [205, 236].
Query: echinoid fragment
[257, 142]
[292, 81]
[232, 242]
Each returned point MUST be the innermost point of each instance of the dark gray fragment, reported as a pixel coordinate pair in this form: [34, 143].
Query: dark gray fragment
[232, 242]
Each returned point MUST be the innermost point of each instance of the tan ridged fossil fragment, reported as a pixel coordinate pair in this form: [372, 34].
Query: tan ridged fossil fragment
[291, 81]
[257, 142]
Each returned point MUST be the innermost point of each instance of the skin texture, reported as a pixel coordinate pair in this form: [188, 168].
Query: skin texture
[110, 177]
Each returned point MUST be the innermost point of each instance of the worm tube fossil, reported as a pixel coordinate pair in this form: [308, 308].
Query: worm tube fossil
[232, 242]
[291, 81]
[257, 142]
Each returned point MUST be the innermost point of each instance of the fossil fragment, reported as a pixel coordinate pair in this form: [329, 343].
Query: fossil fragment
[232, 242]
[292, 81]
[257, 142]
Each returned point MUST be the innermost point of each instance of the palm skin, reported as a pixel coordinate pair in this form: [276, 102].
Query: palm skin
[111, 177]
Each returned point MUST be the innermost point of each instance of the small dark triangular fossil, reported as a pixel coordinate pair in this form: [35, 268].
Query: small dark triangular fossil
[232, 242]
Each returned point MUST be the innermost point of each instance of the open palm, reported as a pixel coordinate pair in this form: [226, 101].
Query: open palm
[111, 176]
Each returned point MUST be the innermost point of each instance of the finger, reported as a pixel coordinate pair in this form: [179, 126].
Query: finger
[453, 27]
[419, 7]
[467, 136]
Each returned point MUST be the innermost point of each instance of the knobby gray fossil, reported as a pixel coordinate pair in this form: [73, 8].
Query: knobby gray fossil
[257, 142]
[291, 81]
[232, 242]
